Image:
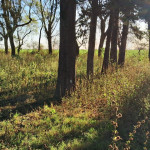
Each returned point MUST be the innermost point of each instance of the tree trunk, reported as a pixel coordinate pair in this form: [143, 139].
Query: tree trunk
[49, 38]
[149, 38]
[114, 39]
[107, 49]
[67, 52]
[12, 44]
[6, 44]
[19, 48]
[77, 49]
[102, 38]
[39, 47]
[92, 37]
[123, 43]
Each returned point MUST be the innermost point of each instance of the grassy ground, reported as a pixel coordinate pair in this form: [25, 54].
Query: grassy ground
[30, 120]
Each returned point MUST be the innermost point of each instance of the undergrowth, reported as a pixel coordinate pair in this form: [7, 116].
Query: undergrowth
[86, 120]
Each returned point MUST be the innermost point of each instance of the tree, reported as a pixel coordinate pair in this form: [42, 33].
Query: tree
[114, 38]
[121, 59]
[144, 13]
[91, 48]
[107, 49]
[3, 31]
[149, 38]
[46, 10]
[39, 46]
[21, 34]
[138, 37]
[67, 52]
[103, 15]
[82, 23]
[12, 15]
[127, 16]
[5, 36]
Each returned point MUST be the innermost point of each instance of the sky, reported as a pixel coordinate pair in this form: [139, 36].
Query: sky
[32, 39]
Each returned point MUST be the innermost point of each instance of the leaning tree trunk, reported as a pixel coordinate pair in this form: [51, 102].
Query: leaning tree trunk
[102, 38]
[123, 43]
[92, 37]
[107, 49]
[114, 38]
[12, 44]
[149, 38]
[67, 52]
[39, 47]
[6, 44]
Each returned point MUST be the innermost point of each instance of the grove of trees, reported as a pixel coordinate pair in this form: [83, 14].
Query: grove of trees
[78, 21]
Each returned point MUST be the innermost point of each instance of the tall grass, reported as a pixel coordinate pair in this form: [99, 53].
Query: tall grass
[82, 121]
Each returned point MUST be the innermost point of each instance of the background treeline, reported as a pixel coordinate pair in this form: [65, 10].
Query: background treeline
[78, 23]
[100, 99]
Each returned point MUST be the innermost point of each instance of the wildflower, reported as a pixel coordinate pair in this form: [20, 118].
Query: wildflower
[115, 123]
[116, 109]
[134, 131]
[131, 139]
[110, 146]
[119, 115]
[113, 102]
[115, 147]
[117, 138]
[147, 133]
[115, 131]
[139, 123]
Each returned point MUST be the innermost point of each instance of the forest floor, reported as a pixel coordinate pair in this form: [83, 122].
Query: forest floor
[109, 110]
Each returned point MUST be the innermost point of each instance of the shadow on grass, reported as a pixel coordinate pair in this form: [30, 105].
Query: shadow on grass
[133, 108]
[25, 103]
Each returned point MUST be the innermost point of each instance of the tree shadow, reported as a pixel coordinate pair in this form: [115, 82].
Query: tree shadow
[25, 103]
[133, 109]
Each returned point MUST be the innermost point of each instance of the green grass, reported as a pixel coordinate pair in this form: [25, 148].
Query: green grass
[30, 120]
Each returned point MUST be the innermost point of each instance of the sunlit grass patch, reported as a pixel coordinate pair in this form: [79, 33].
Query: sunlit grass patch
[82, 121]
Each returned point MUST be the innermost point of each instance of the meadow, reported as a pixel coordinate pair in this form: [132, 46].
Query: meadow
[108, 110]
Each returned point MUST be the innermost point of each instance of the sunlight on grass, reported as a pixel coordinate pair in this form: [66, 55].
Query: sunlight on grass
[30, 120]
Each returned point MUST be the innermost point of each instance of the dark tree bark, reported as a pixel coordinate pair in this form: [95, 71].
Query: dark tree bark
[102, 38]
[107, 49]
[67, 52]
[6, 44]
[18, 49]
[101, 45]
[77, 49]
[49, 38]
[39, 47]
[114, 39]
[12, 44]
[91, 48]
[123, 43]
[149, 38]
